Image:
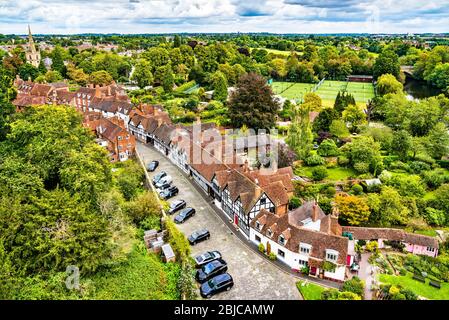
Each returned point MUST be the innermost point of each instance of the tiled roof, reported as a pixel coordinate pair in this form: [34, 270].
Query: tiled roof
[41, 90]
[306, 211]
[362, 233]
[320, 241]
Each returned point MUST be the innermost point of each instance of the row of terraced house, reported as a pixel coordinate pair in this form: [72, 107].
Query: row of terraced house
[256, 200]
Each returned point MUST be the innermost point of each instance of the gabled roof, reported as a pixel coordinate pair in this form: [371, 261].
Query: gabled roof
[362, 233]
[319, 241]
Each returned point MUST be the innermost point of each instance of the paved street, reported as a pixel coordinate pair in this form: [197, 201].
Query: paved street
[365, 274]
[254, 276]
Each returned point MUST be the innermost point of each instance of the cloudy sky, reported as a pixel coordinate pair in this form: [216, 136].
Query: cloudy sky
[277, 16]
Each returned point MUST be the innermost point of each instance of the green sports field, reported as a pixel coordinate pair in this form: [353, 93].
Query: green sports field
[328, 91]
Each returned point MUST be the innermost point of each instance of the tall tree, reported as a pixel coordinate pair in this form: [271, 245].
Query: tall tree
[220, 86]
[7, 94]
[387, 62]
[253, 103]
[142, 74]
[300, 135]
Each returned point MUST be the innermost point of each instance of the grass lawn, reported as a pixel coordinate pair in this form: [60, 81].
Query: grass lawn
[335, 174]
[422, 289]
[327, 91]
[310, 291]
[430, 233]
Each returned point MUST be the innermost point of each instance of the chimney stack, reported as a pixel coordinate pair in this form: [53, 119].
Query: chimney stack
[314, 212]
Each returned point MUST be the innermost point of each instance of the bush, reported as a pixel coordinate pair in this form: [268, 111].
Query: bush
[418, 166]
[372, 246]
[343, 161]
[314, 160]
[354, 285]
[319, 173]
[261, 248]
[357, 189]
[328, 148]
[272, 256]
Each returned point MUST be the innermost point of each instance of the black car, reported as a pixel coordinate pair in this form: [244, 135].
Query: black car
[206, 257]
[211, 270]
[152, 166]
[217, 284]
[199, 236]
[169, 192]
[176, 206]
[184, 215]
[159, 176]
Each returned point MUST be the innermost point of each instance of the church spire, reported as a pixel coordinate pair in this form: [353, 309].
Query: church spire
[30, 40]
[32, 55]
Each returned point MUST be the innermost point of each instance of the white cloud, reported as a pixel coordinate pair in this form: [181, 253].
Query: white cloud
[282, 16]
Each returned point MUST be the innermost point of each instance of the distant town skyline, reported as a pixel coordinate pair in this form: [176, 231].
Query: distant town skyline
[223, 16]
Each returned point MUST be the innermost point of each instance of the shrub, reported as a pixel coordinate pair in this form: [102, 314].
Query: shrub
[261, 248]
[372, 246]
[319, 173]
[305, 270]
[418, 166]
[272, 256]
[343, 161]
[314, 160]
[357, 189]
[329, 266]
[328, 148]
[361, 167]
[354, 285]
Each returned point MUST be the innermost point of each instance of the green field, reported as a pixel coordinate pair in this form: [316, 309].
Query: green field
[327, 91]
[310, 291]
[422, 289]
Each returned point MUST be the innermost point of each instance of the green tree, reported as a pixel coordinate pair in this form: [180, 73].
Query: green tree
[53, 76]
[388, 208]
[142, 74]
[364, 154]
[387, 62]
[58, 54]
[354, 116]
[437, 142]
[328, 148]
[28, 71]
[324, 120]
[300, 135]
[387, 83]
[402, 144]
[7, 94]
[220, 86]
[253, 103]
[339, 129]
[101, 78]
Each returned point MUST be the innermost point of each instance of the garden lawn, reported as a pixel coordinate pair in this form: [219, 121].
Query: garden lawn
[334, 174]
[310, 291]
[422, 289]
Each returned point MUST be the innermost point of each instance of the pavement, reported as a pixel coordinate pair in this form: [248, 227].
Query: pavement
[255, 277]
[365, 274]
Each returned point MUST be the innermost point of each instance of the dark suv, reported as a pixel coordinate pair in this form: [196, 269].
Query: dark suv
[176, 206]
[169, 192]
[184, 215]
[211, 270]
[217, 284]
[199, 236]
[153, 165]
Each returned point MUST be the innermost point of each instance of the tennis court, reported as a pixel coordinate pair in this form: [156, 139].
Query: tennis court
[327, 91]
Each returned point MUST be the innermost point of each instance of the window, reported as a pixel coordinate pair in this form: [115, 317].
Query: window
[269, 233]
[281, 253]
[303, 263]
[257, 238]
[304, 249]
[331, 255]
[281, 239]
[120, 147]
[272, 209]
[119, 138]
[263, 201]
[258, 227]
[430, 249]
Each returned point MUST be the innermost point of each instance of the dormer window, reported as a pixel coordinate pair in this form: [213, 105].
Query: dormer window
[269, 233]
[331, 255]
[304, 248]
[281, 239]
[258, 226]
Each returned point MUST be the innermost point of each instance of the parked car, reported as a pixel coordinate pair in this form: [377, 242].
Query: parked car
[211, 270]
[164, 183]
[169, 192]
[176, 206]
[159, 176]
[184, 215]
[153, 165]
[217, 284]
[206, 257]
[199, 236]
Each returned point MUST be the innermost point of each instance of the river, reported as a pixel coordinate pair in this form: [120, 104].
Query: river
[417, 89]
